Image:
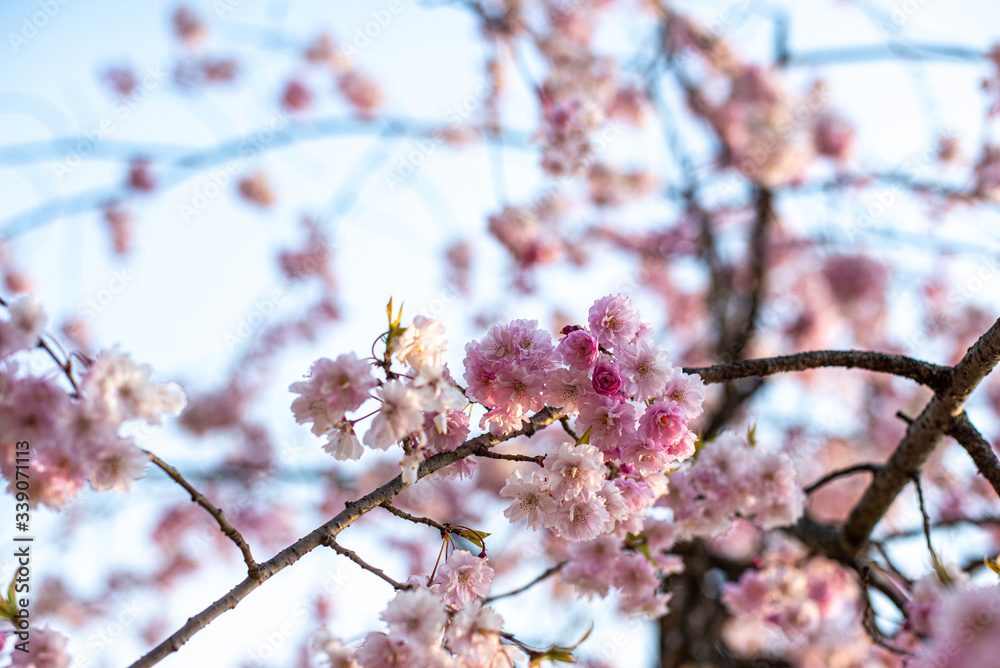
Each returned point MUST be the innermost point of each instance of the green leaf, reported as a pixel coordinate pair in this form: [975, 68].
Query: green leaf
[585, 439]
[477, 538]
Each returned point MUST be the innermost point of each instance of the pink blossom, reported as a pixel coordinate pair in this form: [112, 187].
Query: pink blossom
[342, 443]
[607, 378]
[646, 456]
[26, 323]
[47, 650]
[532, 501]
[335, 654]
[474, 637]
[422, 343]
[611, 423]
[480, 375]
[613, 321]
[582, 519]
[117, 466]
[663, 422]
[462, 578]
[578, 349]
[575, 471]
[334, 388]
[382, 651]
[416, 615]
[566, 389]
[399, 415]
[519, 391]
[646, 370]
[128, 391]
[966, 630]
[688, 391]
[446, 431]
[638, 581]
[591, 565]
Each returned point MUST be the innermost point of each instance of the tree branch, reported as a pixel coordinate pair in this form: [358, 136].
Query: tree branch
[978, 448]
[353, 556]
[253, 570]
[351, 513]
[850, 470]
[933, 376]
[415, 519]
[551, 570]
[514, 457]
[922, 436]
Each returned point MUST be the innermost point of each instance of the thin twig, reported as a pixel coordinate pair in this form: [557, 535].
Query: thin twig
[850, 470]
[514, 457]
[568, 429]
[415, 518]
[253, 569]
[548, 572]
[353, 556]
[868, 617]
[926, 518]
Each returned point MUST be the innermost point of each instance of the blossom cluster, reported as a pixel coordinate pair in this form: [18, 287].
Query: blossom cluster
[729, 478]
[963, 621]
[795, 600]
[596, 567]
[441, 623]
[74, 439]
[420, 408]
[625, 397]
[806, 612]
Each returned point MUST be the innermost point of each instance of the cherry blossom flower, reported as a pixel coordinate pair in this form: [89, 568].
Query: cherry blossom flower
[334, 388]
[575, 471]
[25, 325]
[474, 637]
[582, 519]
[462, 578]
[687, 391]
[532, 500]
[611, 422]
[422, 343]
[399, 415]
[342, 443]
[127, 390]
[663, 422]
[613, 321]
[417, 616]
[332, 649]
[578, 349]
[646, 370]
[566, 389]
[47, 650]
[607, 378]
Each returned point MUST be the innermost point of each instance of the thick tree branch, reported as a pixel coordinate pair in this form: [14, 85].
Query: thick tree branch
[922, 436]
[933, 376]
[325, 532]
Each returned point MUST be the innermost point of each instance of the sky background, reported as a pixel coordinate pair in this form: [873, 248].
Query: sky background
[192, 280]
